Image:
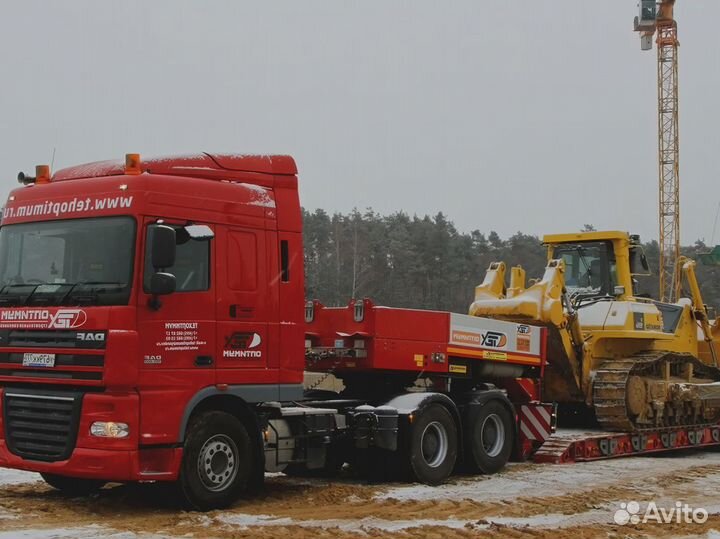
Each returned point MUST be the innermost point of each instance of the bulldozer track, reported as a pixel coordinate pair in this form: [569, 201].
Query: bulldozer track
[610, 386]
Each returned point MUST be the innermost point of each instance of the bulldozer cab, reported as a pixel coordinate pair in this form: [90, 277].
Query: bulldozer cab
[598, 264]
[590, 268]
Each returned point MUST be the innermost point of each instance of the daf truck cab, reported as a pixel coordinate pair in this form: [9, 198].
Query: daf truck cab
[145, 293]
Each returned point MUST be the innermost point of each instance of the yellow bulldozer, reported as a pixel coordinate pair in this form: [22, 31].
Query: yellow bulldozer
[636, 362]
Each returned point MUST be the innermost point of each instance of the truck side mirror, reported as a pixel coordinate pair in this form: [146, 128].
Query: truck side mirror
[162, 284]
[163, 247]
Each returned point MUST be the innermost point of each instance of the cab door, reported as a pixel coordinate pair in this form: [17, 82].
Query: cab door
[245, 348]
[177, 334]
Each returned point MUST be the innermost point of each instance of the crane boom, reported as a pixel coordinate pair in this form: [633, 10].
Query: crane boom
[658, 20]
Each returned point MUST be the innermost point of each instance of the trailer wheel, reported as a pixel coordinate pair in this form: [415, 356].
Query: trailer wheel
[433, 445]
[217, 461]
[73, 486]
[489, 437]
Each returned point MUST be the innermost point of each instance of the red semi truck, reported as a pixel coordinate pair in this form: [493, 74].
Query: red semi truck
[153, 328]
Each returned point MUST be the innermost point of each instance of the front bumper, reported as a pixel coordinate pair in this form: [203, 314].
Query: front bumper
[109, 465]
[94, 457]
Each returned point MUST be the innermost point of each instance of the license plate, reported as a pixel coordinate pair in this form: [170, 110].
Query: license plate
[38, 360]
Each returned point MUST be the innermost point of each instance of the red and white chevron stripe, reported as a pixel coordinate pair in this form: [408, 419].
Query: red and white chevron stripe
[536, 421]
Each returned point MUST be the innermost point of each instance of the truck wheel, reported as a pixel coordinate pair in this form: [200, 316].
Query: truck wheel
[217, 461]
[489, 437]
[432, 445]
[73, 486]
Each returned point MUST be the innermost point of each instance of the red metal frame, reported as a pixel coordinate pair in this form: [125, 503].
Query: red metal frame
[405, 340]
[569, 447]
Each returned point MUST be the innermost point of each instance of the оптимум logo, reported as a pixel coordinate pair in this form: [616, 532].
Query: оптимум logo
[68, 319]
[240, 345]
[630, 513]
[494, 339]
[43, 318]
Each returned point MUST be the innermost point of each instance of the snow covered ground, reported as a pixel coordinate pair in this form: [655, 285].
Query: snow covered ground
[540, 480]
[85, 532]
[525, 501]
[17, 477]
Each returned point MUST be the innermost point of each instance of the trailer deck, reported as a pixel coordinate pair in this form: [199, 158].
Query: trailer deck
[578, 445]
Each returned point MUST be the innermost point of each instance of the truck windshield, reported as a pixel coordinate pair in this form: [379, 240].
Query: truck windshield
[68, 262]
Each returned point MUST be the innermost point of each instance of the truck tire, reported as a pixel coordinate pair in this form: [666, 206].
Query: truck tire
[432, 445]
[73, 486]
[218, 461]
[489, 435]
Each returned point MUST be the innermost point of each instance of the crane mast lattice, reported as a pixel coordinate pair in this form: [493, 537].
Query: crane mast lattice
[657, 20]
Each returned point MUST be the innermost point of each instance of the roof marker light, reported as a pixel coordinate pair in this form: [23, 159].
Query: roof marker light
[42, 174]
[359, 311]
[132, 164]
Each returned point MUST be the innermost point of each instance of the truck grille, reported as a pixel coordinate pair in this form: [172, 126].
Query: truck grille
[22, 338]
[41, 425]
[66, 367]
[79, 355]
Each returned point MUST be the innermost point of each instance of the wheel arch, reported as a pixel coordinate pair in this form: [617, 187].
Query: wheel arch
[410, 403]
[483, 396]
[230, 404]
[238, 400]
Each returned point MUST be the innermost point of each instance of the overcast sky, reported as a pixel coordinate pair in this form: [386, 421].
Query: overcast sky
[506, 116]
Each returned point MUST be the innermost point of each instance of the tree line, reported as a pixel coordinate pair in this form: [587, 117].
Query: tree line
[426, 263]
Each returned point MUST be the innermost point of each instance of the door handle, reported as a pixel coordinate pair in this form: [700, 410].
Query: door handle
[240, 311]
[203, 361]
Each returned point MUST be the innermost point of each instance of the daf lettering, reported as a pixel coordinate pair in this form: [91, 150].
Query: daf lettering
[91, 336]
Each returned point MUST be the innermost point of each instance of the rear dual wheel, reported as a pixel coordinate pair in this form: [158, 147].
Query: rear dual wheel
[433, 445]
[489, 437]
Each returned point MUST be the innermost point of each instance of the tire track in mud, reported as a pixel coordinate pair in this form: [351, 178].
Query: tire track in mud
[150, 509]
[343, 502]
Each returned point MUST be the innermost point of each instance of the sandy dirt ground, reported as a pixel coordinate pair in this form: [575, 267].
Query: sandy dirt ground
[524, 501]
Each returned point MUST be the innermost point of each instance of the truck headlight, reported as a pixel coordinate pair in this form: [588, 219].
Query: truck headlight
[110, 429]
